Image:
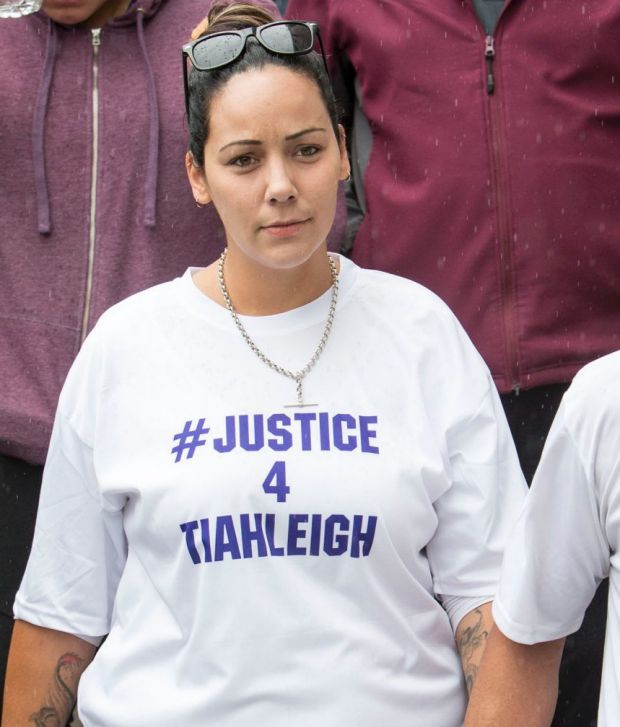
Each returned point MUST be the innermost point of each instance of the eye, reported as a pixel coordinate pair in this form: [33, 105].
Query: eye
[308, 150]
[243, 161]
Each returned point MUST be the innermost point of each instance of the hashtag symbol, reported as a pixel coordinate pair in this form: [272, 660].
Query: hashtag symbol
[190, 439]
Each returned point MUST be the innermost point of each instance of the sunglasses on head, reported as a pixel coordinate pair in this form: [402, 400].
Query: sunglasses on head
[284, 37]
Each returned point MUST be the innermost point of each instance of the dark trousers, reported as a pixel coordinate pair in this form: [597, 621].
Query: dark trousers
[529, 415]
[20, 484]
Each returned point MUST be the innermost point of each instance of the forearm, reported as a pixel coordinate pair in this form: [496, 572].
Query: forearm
[517, 684]
[471, 640]
[43, 672]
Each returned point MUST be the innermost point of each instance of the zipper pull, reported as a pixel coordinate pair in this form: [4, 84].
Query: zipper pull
[96, 37]
[489, 54]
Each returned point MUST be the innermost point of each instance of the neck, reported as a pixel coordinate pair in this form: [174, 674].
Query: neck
[256, 290]
[109, 10]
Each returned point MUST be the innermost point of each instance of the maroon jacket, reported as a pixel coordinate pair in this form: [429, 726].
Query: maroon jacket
[506, 204]
[90, 210]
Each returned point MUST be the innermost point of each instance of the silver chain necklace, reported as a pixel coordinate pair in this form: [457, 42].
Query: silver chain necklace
[297, 376]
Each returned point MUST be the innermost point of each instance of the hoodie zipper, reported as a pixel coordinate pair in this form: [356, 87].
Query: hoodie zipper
[96, 42]
[504, 227]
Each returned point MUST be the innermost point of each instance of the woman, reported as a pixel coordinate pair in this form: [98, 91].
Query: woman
[266, 473]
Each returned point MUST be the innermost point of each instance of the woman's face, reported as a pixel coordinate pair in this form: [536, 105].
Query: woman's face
[271, 166]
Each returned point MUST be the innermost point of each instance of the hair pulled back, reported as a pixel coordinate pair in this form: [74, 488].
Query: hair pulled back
[203, 85]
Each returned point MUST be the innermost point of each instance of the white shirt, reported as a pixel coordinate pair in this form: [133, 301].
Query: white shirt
[568, 537]
[279, 565]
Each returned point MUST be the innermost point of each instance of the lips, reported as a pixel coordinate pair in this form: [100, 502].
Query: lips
[284, 228]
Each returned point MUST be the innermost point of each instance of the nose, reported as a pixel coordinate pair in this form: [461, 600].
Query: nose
[279, 186]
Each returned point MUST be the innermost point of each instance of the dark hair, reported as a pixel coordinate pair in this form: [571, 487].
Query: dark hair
[203, 85]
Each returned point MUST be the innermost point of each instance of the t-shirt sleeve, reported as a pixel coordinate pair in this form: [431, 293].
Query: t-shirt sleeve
[486, 493]
[558, 553]
[79, 548]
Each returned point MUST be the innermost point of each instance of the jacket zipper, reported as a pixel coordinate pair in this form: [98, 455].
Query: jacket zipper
[503, 218]
[96, 42]
[489, 54]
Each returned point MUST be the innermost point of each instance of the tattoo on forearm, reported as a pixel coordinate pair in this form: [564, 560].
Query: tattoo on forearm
[470, 641]
[46, 717]
[61, 696]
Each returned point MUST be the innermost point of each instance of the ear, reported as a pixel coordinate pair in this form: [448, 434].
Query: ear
[345, 167]
[197, 180]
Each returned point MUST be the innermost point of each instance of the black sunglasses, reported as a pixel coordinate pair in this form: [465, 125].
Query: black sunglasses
[284, 37]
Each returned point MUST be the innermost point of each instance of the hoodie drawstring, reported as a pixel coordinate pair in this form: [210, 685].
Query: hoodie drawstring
[150, 188]
[38, 133]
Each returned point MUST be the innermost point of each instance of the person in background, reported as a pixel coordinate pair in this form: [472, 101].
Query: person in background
[566, 542]
[485, 151]
[260, 541]
[94, 208]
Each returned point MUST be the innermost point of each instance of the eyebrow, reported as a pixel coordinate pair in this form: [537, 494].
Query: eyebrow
[304, 131]
[290, 137]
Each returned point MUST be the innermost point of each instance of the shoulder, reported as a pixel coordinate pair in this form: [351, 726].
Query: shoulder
[590, 414]
[407, 307]
[398, 291]
[119, 346]
[141, 309]
[602, 374]
[129, 331]
[595, 390]
[408, 323]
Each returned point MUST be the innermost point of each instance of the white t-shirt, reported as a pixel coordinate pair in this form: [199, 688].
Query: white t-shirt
[257, 564]
[568, 536]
